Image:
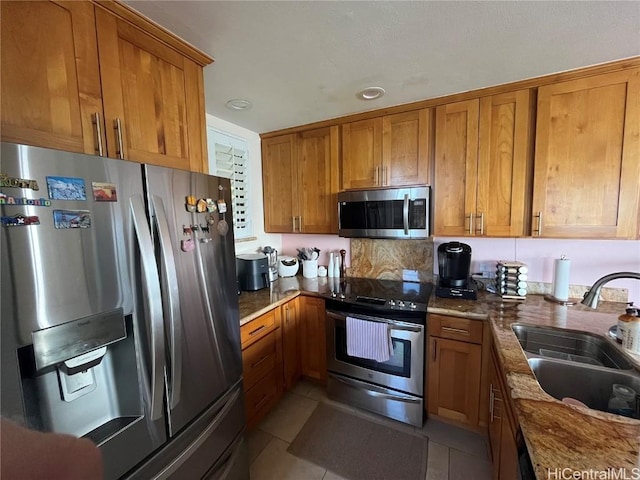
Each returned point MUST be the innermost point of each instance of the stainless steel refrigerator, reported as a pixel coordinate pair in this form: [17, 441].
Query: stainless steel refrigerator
[119, 311]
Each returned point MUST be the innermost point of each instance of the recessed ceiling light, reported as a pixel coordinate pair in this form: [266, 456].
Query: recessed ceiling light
[239, 104]
[370, 93]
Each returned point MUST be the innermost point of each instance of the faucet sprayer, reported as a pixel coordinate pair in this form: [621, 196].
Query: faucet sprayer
[591, 297]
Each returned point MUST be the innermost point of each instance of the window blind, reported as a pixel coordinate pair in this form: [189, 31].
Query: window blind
[231, 160]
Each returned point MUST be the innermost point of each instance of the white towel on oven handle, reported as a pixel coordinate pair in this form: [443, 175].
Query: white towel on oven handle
[371, 340]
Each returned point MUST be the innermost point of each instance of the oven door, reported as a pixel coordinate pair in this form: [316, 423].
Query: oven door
[403, 371]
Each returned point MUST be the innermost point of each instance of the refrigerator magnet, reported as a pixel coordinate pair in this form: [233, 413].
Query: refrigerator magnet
[222, 206]
[31, 202]
[211, 205]
[223, 227]
[14, 182]
[190, 203]
[104, 192]
[201, 206]
[187, 245]
[20, 220]
[66, 188]
[72, 218]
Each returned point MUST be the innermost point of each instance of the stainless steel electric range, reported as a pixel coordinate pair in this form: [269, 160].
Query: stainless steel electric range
[393, 388]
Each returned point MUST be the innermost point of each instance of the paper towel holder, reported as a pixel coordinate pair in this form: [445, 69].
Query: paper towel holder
[552, 298]
[569, 301]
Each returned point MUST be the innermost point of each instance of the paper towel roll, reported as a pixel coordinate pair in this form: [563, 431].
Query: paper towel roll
[561, 278]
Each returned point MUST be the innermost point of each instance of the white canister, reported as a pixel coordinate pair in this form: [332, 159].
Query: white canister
[310, 268]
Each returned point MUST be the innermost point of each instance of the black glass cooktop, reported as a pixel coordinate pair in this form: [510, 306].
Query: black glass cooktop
[381, 294]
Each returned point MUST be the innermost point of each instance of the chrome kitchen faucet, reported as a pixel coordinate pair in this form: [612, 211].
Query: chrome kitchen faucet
[591, 297]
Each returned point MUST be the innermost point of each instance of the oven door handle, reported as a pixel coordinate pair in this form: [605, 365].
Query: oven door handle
[394, 324]
[398, 397]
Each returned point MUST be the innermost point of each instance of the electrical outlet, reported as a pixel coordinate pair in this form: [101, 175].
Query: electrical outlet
[410, 276]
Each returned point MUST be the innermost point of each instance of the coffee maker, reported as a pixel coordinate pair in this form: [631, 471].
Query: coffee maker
[454, 263]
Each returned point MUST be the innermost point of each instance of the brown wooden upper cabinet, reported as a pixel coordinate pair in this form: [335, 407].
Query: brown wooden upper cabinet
[587, 161]
[98, 78]
[483, 164]
[388, 151]
[50, 79]
[300, 181]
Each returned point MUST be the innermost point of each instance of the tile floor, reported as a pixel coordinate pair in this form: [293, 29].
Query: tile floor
[454, 453]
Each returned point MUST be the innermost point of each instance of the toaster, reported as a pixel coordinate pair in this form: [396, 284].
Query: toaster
[288, 266]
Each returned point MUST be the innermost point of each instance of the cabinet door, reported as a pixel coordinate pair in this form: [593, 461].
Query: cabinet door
[504, 164]
[290, 343]
[155, 92]
[587, 160]
[279, 186]
[50, 79]
[362, 154]
[405, 148]
[313, 338]
[454, 380]
[456, 168]
[496, 414]
[318, 151]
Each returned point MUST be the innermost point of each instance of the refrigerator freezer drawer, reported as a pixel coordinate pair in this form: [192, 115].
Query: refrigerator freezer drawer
[197, 448]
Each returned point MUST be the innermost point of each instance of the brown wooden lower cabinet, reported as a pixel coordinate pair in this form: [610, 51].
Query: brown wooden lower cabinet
[278, 348]
[313, 338]
[261, 364]
[455, 369]
[503, 427]
[292, 371]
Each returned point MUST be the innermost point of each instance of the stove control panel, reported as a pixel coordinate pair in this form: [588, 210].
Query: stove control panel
[379, 304]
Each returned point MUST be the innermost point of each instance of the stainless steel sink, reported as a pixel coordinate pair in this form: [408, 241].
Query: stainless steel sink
[591, 385]
[570, 346]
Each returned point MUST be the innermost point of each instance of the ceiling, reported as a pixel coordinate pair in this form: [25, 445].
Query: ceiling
[303, 61]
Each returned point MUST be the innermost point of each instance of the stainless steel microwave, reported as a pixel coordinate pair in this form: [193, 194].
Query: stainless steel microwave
[385, 213]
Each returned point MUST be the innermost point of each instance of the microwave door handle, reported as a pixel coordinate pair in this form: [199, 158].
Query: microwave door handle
[405, 214]
[152, 303]
[170, 289]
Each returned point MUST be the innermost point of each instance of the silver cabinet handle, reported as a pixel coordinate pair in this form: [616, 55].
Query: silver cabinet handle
[293, 224]
[377, 175]
[153, 305]
[386, 179]
[491, 398]
[117, 125]
[170, 287]
[470, 223]
[405, 214]
[539, 229]
[300, 223]
[458, 331]
[481, 217]
[95, 119]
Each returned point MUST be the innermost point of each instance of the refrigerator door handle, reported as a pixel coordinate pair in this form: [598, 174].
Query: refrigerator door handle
[170, 288]
[193, 447]
[152, 303]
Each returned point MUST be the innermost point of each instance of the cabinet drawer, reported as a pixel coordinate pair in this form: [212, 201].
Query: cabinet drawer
[455, 328]
[260, 398]
[258, 359]
[258, 328]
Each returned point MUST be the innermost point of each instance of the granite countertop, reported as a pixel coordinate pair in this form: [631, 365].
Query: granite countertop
[254, 304]
[557, 435]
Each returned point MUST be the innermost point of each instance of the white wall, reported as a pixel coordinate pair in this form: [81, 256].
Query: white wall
[262, 239]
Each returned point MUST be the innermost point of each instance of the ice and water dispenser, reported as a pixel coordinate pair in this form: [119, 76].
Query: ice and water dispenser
[80, 377]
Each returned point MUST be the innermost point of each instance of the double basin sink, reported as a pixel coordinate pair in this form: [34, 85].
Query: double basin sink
[577, 365]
